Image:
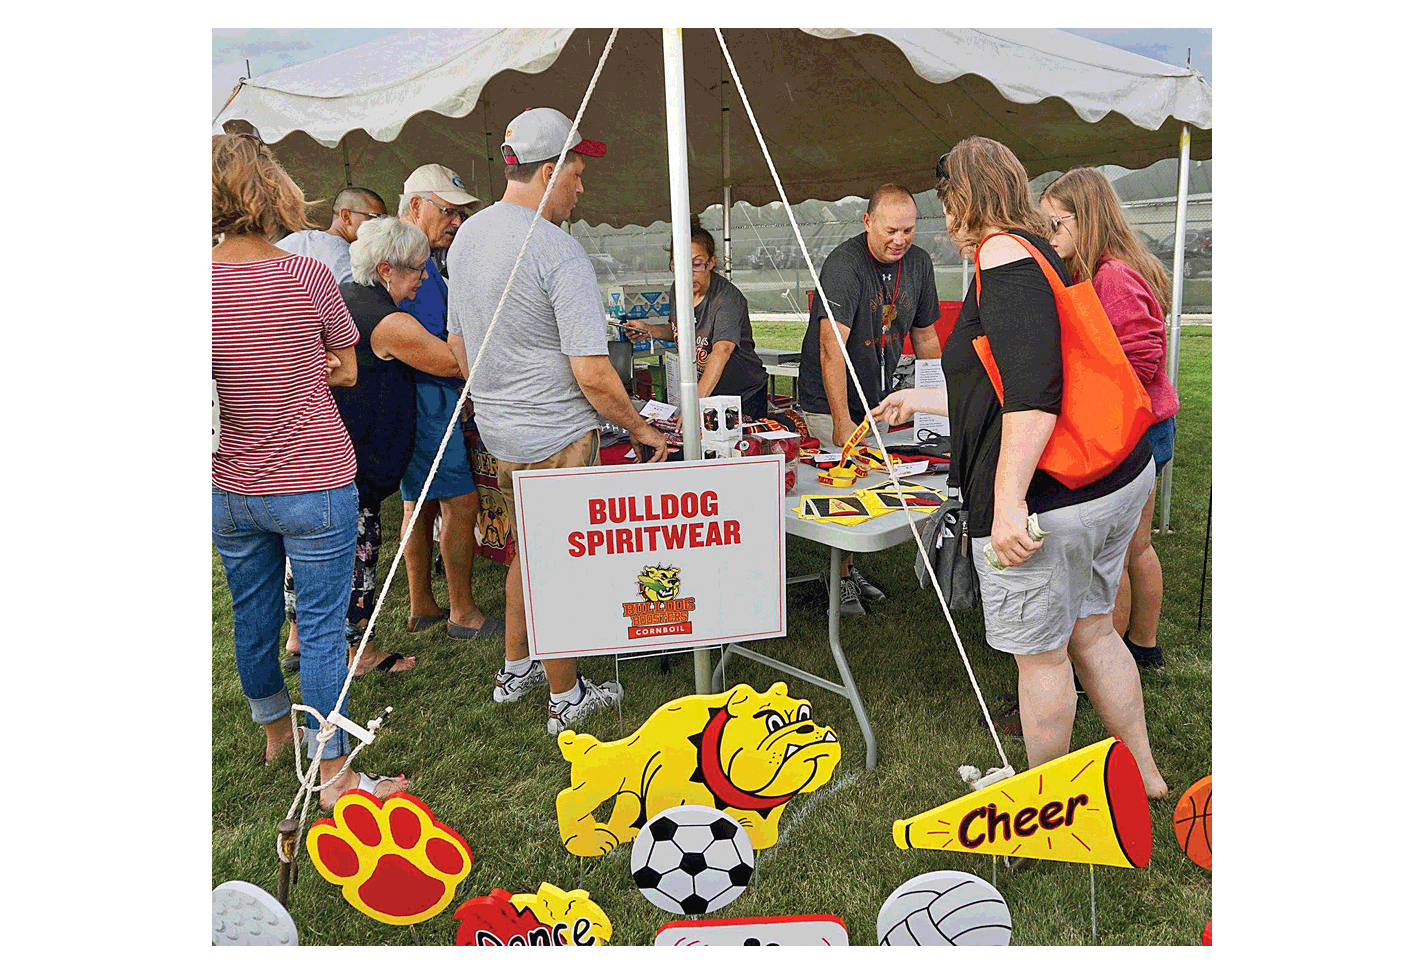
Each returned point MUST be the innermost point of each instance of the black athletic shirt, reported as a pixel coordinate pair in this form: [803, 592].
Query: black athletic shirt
[1022, 323]
[859, 288]
[380, 410]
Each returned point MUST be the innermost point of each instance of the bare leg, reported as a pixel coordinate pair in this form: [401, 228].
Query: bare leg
[1110, 677]
[1123, 604]
[294, 643]
[1146, 575]
[279, 733]
[562, 673]
[457, 546]
[1047, 703]
[418, 551]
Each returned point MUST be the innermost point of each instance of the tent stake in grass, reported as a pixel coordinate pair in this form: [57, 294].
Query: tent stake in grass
[287, 850]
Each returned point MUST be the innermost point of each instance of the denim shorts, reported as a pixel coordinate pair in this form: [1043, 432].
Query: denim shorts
[434, 405]
[1160, 437]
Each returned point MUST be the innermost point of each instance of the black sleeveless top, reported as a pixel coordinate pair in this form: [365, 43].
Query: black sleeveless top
[380, 410]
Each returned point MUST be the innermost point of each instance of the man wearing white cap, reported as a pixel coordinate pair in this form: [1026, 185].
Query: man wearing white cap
[545, 375]
[435, 201]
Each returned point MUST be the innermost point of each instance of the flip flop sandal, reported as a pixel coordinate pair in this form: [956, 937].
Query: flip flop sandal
[292, 663]
[490, 628]
[366, 783]
[414, 624]
[386, 664]
[1009, 723]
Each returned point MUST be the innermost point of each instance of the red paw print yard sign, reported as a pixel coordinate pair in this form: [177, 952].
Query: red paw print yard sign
[392, 860]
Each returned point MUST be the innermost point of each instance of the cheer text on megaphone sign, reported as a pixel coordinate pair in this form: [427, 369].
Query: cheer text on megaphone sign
[1087, 807]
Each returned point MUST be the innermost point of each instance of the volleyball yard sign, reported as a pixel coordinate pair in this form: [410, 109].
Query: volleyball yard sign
[617, 559]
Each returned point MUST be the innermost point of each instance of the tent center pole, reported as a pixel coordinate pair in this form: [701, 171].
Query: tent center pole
[1175, 323]
[683, 277]
[726, 183]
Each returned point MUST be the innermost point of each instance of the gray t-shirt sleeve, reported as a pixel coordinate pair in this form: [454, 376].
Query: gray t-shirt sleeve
[578, 308]
[843, 289]
[730, 319]
[927, 313]
[341, 266]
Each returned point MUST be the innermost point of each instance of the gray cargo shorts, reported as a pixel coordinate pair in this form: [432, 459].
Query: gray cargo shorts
[1032, 607]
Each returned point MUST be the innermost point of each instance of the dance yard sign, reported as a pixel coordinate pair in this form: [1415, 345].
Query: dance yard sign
[635, 557]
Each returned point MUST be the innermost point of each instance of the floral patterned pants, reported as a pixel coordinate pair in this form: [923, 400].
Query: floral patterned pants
[363, 575]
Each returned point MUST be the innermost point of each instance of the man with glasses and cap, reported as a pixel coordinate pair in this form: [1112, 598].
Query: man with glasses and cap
[549, 355]
[880, 286]
[351, 208]
[435, 201]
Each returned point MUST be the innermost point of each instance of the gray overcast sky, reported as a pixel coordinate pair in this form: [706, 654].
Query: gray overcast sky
[271, 48]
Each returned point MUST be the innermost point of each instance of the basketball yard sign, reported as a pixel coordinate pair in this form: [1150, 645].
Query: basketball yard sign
[619, 559]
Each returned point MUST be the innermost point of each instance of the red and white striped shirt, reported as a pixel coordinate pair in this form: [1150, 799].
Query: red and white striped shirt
[272, 324]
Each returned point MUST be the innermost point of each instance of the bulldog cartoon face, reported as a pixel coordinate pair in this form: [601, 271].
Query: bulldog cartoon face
[492, 520]
[744, 751]
[657, 583]
[770, 746]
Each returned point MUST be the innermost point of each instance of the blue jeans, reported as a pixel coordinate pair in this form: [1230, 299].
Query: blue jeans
[317, 532]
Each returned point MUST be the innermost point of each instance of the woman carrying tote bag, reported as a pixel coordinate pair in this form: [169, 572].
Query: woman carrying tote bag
[1051, 606]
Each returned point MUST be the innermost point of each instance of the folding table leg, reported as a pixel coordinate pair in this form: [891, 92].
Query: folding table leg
[833, 631]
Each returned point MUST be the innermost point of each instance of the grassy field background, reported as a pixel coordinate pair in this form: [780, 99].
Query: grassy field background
[492, 772]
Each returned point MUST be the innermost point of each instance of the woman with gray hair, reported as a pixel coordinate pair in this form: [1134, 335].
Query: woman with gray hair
[387, 266]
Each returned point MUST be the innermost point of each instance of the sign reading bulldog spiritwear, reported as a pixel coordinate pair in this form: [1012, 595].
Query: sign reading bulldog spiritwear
[617, 559]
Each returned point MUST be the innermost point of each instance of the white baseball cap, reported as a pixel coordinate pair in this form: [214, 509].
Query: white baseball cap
[435, 178]
[538, 134]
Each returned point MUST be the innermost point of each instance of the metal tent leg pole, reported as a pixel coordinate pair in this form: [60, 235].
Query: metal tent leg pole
[1175, 324]
[683, 275]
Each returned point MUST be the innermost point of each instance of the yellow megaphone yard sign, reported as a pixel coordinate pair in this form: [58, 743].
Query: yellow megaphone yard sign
[1087, 807]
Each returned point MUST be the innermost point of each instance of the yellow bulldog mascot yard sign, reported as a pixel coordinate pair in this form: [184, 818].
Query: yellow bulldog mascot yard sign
[741, 751]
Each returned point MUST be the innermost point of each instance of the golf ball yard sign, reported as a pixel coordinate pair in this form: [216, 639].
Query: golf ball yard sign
[617, 559]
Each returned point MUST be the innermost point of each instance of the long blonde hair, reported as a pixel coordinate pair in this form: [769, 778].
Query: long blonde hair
[1101, 233]
[252, 193]
[986, 187]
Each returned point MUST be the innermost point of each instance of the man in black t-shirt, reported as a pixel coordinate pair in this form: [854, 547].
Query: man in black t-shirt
[880, 286]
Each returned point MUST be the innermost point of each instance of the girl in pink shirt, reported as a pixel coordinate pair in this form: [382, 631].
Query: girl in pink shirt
[1090, 234]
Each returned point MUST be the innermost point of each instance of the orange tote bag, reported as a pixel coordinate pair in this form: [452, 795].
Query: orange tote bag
[1105, 410]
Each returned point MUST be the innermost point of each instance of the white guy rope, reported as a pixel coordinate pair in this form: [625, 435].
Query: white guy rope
[841, 344]
[787, 291]
[328, 726]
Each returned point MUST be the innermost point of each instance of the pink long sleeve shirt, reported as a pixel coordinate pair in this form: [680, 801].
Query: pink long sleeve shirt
[1137, 320]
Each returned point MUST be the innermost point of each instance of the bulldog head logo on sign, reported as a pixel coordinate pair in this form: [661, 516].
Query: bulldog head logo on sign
[661, 612]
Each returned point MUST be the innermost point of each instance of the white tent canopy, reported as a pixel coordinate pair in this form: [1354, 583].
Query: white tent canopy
[842, 109]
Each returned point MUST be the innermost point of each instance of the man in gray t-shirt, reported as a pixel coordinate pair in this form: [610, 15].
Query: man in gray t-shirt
[545, 375]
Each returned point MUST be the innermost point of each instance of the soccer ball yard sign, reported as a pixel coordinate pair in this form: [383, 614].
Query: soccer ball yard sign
[692, 860]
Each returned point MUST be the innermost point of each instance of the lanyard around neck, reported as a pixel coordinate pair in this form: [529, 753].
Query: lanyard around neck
[890, 310]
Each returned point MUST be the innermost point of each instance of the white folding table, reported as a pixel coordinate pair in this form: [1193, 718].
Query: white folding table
[874, 535]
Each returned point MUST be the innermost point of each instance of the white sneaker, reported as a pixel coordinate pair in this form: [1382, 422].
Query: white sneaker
[564, 713]
[512, 687]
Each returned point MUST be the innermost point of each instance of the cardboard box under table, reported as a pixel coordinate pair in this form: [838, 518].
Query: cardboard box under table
[874, 535]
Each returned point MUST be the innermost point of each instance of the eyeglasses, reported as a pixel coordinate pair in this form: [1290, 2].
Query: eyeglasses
[363, 213]
[448, 211]
[1054, 223]
[941, 172]
[699, 265]
[406, 267]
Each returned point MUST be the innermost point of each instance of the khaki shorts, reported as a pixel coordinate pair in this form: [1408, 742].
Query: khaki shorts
[820, 426]
[1032, 607]
[583, 452]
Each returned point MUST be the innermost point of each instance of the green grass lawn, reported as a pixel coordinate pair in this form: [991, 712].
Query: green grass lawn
[492, 772]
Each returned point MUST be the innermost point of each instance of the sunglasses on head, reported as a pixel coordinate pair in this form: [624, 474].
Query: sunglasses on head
[254, 138]
[940, 171]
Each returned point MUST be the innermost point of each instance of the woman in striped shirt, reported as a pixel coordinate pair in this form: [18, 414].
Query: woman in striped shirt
[284, 470]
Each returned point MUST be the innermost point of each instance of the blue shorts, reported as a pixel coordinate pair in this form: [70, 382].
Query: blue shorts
[1160, 437]
[434, 405]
